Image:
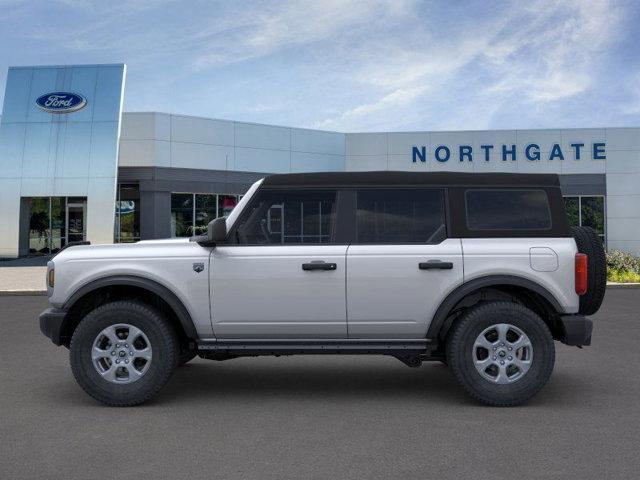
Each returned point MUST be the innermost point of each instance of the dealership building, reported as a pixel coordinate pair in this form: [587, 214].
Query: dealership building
[74, 166]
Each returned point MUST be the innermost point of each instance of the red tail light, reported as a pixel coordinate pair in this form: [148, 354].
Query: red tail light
[582, 273]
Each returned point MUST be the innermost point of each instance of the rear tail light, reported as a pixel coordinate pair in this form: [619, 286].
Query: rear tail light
[582, 273]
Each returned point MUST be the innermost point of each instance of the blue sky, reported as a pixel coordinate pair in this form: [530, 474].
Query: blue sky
[351, 65]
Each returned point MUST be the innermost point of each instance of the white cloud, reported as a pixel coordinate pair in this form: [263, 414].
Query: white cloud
[286, 24]
[348, 64]
[531, 53]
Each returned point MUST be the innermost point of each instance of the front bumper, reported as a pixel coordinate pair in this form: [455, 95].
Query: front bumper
[576, 330]
[51, 321]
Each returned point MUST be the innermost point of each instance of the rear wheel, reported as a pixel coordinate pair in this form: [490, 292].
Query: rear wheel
[502, 353]
[123, 353]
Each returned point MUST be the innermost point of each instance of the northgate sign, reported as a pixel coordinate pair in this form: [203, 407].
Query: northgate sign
[531, 152]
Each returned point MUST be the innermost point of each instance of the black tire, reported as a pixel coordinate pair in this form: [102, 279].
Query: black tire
[163, 342]
[460, 351]
[590, 244]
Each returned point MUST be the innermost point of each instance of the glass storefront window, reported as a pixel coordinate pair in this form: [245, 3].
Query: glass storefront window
[204, 213]
[592, 213]
[39, 227]
[192, 212]
[58, 224]
[588, 211]
[226, 203]
[54, 222]
[181, 214]
[127, 228]
[572, 206]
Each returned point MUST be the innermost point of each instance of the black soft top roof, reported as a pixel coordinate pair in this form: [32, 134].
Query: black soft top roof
[412, 178]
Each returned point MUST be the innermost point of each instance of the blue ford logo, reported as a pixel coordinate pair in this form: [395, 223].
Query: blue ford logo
[61, 102]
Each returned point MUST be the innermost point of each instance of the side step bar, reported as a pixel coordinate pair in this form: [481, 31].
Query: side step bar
[314, 347]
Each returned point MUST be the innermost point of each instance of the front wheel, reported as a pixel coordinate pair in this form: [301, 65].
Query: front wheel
[123, 353]
[502, 353]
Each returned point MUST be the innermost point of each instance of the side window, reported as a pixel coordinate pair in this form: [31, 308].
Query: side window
[400, 216]
[288, 217]
[491, 209]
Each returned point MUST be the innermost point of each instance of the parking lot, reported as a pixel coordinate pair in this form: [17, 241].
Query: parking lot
[322, 417]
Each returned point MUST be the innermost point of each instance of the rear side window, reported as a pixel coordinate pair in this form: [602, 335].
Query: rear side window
[490, 209]
[400, 216]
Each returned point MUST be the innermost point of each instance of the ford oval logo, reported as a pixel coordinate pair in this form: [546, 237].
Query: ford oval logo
[61, 102]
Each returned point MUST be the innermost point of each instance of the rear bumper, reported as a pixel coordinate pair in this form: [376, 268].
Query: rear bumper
[576, 330]
[51, 321]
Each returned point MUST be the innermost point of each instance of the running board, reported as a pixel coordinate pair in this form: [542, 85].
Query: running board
[242, 347]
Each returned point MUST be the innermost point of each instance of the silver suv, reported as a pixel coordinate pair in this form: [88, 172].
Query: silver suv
[478, 271]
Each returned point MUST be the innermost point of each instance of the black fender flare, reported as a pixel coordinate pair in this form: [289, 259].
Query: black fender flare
[467, 288]
[183, 315]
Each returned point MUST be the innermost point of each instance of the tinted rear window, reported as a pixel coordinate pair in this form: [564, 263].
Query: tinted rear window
[400, 216]
[490, 209]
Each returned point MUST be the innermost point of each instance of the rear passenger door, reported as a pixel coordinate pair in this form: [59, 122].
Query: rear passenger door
[401, 263]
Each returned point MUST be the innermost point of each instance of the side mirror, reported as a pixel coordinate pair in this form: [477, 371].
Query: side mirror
[217, 230]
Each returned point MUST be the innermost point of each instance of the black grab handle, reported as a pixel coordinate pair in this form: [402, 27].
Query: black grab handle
[435, 265]
[319, 266]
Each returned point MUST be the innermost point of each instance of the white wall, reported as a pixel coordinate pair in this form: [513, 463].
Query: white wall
[164, 140]
[623, 189]
[393, 151]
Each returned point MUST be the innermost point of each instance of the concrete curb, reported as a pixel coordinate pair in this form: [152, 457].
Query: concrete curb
[9, 293]
[623, 285]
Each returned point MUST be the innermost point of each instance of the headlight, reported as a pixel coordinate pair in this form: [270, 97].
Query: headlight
[51, 276]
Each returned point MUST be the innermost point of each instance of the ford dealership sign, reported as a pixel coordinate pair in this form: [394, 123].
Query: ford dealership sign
[61, 102]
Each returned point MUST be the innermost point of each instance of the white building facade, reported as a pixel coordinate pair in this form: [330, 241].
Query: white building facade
[175, 173]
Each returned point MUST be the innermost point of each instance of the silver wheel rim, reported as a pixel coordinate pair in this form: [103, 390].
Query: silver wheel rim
[502, 353]
[121, 353]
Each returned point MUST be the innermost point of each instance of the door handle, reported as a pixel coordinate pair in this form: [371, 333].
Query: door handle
[319, 265]
[435, 265]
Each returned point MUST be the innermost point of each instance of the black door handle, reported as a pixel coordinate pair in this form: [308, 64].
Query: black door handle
[319, 266]
[435, 265]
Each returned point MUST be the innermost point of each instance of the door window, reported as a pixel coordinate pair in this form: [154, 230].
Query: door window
[400, 216]
[288, 217]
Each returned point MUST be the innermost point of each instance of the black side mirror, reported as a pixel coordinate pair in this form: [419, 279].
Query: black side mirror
[217, 230]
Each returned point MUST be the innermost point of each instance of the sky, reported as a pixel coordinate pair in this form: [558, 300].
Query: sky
[350, 65]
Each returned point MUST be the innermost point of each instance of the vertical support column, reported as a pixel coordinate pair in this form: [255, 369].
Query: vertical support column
[155, 214]
[25, 217]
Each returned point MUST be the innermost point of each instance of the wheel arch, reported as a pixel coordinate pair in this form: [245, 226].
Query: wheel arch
[533, 295]
[116, 287]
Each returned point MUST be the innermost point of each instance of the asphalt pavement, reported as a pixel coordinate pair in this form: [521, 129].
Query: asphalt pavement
[322, 417]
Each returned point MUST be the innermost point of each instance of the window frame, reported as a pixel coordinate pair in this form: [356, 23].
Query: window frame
[445, 213]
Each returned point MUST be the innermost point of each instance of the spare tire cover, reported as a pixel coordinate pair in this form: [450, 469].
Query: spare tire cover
[590, 244]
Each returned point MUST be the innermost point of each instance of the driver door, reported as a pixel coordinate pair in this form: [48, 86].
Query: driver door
[281, 274]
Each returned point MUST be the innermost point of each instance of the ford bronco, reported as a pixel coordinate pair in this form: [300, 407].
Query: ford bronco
[479, 271]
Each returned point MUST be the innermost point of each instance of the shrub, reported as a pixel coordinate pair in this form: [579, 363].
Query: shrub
[622, 267]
